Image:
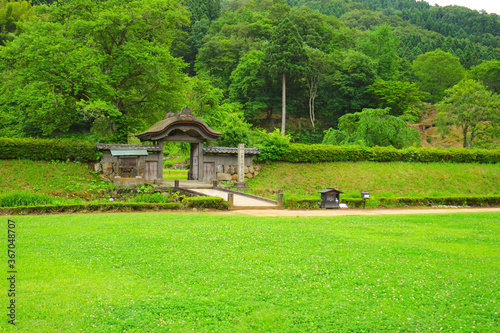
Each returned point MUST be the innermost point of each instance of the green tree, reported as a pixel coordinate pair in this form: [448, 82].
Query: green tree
[250, 86]
[285, 55]
[228, 118]
[320, 64]
[489, 73]
[223, 116]
[203, 12]
[381, 45]
[372, 127]
[230, 37]
[107, 63]
[203, 96]
[345, 90]
[473, 108]
[200, 9]
[12, 12]
[400, 97]
[437, 71]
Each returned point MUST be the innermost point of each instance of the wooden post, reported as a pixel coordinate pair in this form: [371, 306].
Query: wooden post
[230, 199]
[159, 167]
[176, 183]
[280, 199]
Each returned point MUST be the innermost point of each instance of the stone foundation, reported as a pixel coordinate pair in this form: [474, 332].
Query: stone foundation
[229, 173]
[128, 182]
[108, 171]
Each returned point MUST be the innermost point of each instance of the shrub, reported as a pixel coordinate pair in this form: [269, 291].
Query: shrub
[99, 207]
[16, 199]
[302, 203]
[301, 153]
[477, 201]
[206, 202]
[324, 153]
[384, 154]
[48, 149]
[273, 146]
[151, 198]
[352, 202]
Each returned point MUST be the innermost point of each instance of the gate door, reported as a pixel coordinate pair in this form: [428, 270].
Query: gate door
[208, 171]
[151, 170]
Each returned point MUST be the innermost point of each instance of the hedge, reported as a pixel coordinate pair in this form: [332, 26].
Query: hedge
[300, 153]
[477, 201]
[192, 202]
[47, 149]
[205, 202]
[302, 203]
[352, 202]
[95, 207]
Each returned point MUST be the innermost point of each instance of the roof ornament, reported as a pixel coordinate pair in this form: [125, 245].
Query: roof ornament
[186, 111]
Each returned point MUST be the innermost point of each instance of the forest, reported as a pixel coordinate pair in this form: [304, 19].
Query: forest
[343, 72]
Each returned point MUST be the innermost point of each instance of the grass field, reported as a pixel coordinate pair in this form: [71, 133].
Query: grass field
[175, 174]
[157, 272]
[55, 178]
[392, 179]
[73, 181]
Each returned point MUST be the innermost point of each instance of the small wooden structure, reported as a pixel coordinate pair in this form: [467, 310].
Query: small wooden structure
[330, 198]
[132, 161]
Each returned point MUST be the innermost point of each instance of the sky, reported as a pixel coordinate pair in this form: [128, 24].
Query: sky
[491, 6]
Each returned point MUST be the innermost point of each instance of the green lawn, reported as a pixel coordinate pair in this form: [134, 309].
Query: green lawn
[179, 272]
[391, 179]
[62, 179]
[169, 174]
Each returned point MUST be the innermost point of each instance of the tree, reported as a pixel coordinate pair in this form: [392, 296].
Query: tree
[200, 9]
[203, 12]
[400, 97]
[106, 63]
[489, 73]
[203, 96]
[437, 71]
[250, 86]
[319, 64]
[285, 55]
[353, 73]
[372, 127]
[470, 106]
[381, 45]
[12, 12]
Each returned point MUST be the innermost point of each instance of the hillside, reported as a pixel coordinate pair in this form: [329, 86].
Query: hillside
[58, 179]
[429, 134]
[381, 179]
[73, 180]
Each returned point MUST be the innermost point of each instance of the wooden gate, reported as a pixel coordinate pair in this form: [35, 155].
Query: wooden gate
[208, 171]
[151, 170]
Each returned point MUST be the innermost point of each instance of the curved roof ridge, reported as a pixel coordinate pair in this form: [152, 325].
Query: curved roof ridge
[162, 126]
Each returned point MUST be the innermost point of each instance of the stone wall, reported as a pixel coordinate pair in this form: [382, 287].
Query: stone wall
[108, 171]
[229, 173]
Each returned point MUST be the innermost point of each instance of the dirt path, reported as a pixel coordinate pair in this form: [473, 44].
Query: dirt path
[338, 212]
[239, 200]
